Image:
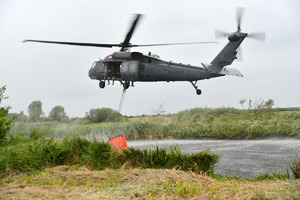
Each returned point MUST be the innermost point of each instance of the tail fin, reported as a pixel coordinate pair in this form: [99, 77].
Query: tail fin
[228, 53]
[226, 56]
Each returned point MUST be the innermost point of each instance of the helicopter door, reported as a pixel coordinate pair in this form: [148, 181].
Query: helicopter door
[113, 69]
[129, 70]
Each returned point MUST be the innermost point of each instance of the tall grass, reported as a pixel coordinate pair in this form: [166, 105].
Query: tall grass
[26, 154]
[198, 122]
[295, 167]
[35, 153]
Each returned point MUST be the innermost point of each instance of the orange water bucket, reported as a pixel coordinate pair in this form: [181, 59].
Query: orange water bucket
[118, 143]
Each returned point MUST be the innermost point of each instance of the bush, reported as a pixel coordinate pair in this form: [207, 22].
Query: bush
[75, 147]
[160, 159]
[5, 124]
[99, 155]
[58, 114]
[295, 167]
[103, 115]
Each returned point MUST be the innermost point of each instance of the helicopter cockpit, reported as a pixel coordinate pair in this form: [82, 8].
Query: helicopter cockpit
[98, 70]
[124, 70]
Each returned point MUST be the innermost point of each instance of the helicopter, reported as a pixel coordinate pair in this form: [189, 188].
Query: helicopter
[129, 67]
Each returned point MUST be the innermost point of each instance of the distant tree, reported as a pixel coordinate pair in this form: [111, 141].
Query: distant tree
[58, 114]
[263, 105]
[250, 104]
[35, 111]
[269, 104]
[22, 117]
[5, 124]
[242, 101]
[19, 117]
[160, 110]
[103, 115]
[263, 108]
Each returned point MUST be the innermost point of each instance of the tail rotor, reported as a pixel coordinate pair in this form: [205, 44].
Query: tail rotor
[235, 35]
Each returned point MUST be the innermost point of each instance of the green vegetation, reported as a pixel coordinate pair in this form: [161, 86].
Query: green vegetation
[5, 123]
[57, 157]
[295, 167]
[68, 168]
[58, 114]
[74, 182]
[35, 111]
[282, 175]
[36, 152]
[224, 123]
[258, 121]
[103, 115]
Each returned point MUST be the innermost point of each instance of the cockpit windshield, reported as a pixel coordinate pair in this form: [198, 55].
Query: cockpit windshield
[94, 64]
[98, 66]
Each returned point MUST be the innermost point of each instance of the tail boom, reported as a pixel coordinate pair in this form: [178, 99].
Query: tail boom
[217, 69]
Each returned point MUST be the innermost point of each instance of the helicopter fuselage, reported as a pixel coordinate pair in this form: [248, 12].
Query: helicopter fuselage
[134, 66]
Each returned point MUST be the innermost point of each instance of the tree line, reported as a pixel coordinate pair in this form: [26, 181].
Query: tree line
[57, 113]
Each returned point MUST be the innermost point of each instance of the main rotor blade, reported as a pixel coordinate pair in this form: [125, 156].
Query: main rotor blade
[239, 16]
[76, 43]
[130, 32]
[165, 44]
[219, 34]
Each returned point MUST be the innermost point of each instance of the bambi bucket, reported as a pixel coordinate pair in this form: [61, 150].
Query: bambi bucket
[118, 143]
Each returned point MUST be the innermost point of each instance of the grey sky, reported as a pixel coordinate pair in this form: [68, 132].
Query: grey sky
[57, 74]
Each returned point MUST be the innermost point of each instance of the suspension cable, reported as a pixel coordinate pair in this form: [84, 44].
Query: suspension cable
[122, 100]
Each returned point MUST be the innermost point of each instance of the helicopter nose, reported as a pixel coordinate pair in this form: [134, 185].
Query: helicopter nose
[91, 74]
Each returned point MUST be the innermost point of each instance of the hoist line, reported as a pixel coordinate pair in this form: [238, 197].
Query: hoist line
[122, 100]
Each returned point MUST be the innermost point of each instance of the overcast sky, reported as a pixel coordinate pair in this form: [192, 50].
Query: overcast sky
[58, 74]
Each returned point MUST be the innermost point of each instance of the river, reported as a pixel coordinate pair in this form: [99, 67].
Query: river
[245, 158]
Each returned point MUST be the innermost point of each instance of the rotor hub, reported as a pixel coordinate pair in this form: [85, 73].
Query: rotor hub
[233, 37]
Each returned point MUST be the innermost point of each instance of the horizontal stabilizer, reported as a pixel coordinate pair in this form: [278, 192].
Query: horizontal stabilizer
[217, 69]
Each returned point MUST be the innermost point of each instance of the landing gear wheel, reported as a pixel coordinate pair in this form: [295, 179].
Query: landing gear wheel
[102, 84]
[198, 91]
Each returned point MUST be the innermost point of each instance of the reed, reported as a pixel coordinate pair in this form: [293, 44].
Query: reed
[198, 123]
[30, 154]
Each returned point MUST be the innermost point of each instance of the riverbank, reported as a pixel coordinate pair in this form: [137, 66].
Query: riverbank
[71, 182]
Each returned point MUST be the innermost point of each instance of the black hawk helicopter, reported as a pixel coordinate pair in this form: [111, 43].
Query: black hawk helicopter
[128, 67]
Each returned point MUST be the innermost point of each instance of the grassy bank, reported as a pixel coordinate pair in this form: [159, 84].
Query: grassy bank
[25, 154]
[228, 123]
[35, 167]
[73, 182]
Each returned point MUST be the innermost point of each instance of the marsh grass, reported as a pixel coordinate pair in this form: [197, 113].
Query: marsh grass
[274, 175]
[198, 122]
[37, 153]
[295, 167]
[30, 154]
